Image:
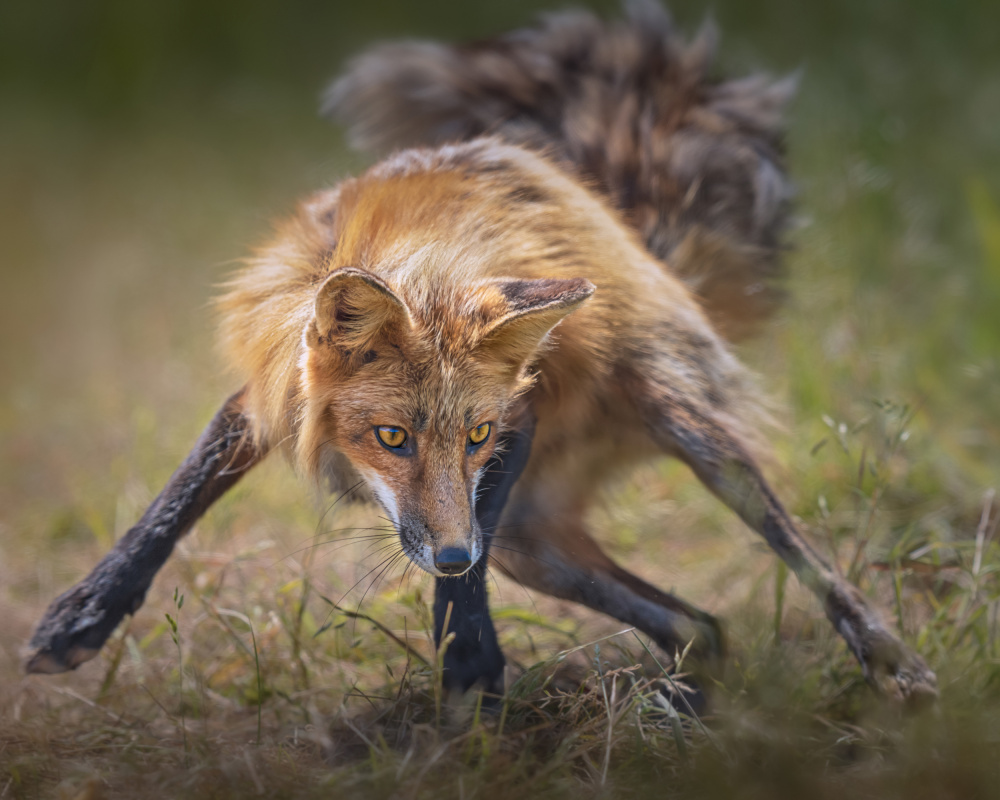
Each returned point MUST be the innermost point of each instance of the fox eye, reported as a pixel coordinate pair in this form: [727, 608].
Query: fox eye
[479, 434]
[391, 436]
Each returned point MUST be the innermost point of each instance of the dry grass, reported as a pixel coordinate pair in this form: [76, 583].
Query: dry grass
[115, 229]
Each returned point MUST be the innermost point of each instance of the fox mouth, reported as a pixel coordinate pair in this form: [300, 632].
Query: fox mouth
[442, 562]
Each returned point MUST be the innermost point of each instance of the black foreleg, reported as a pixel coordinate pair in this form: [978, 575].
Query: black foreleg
[474, 656]
[78, 622]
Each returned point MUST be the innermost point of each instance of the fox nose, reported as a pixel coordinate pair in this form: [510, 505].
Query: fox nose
[453, 560]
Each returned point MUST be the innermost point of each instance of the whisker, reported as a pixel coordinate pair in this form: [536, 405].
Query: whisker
[407, 575]
[523, 588]
[388, 565]
[492, 577]
[511, 526]
[538, 558]
[330, 507]
[361, 538]
[334, 607]
[321, 444]
[330, 531]
[377, 529]
[369, 553]
[342, 542]
[340, 600]
[359, 580]
[416, 571]
[350, 490]
[552, 545]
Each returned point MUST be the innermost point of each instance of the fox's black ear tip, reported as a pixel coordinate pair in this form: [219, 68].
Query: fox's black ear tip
[526, 295]
[586, 288]
[575, 290]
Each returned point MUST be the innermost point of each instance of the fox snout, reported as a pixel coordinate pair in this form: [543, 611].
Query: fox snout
[441, 551]
[449, 555]
[439, 533]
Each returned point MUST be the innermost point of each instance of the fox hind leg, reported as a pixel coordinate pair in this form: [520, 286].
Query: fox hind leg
[691, 431]
[555, 555]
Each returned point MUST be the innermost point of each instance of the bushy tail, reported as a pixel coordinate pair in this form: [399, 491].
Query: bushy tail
[694, 164]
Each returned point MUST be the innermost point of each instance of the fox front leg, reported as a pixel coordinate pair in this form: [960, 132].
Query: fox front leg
[689, 431]
[474, 657]
[78, 622]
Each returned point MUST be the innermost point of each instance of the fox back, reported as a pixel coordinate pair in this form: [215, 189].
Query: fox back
[585, 196]
[693, 164]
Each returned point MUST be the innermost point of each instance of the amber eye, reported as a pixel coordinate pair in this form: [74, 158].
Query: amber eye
[479, 434]
[391, 436]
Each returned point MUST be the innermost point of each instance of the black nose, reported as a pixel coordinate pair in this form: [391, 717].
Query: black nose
[453, 560]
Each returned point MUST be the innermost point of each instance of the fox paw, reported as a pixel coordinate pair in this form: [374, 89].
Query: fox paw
[75, 627]
[896, 671]
[473, 667]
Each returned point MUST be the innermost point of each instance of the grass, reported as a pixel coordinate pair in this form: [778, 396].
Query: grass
[292, 670]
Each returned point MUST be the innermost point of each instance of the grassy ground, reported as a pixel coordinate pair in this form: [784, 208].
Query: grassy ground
[141, 155]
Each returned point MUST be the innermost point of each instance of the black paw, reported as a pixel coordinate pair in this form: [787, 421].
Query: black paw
[474, 664]
[78, 622]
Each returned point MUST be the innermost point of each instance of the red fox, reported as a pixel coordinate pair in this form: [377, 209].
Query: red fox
[534, 291]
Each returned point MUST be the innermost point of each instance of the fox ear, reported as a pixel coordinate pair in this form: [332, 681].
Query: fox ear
[526, 311]
[355, 308]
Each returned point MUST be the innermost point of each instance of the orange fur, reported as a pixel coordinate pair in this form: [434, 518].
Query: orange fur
[423, 250]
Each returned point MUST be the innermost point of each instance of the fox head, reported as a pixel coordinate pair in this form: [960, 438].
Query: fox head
[415, 386]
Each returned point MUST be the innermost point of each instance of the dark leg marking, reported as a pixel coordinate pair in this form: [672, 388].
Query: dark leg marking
[724, 466]
[474, 655]
[78, 622]
[558, 557]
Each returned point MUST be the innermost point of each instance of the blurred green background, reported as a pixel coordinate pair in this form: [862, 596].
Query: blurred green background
[146, 147]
